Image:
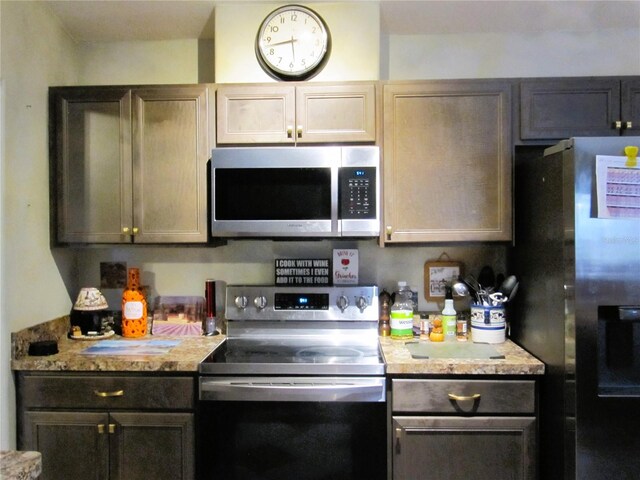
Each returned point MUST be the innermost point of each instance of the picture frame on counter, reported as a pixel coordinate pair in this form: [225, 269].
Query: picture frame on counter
[437, 275]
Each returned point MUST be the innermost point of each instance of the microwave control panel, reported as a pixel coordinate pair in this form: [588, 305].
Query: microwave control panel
[357, 192]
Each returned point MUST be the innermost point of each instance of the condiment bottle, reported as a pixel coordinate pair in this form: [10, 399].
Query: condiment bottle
[134, 307]
[449, 317]
[384, 327]
[401, 317]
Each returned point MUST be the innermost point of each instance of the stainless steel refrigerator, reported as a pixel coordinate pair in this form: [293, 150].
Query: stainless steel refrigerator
[578, 306]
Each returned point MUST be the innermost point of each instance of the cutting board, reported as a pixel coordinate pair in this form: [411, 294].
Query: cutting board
[453, 350]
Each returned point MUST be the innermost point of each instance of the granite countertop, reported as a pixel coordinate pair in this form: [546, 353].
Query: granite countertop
[15, 465]
[184, 357]
[516, 361]
[187, 355]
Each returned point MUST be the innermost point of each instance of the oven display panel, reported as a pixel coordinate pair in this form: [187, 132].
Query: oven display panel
[301, 301]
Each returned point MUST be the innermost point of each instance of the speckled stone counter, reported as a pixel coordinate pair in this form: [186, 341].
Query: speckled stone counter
[184, 357]
[516, 361]
[16, 465]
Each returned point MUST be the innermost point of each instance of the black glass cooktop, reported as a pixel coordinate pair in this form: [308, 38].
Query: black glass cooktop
[293, 356]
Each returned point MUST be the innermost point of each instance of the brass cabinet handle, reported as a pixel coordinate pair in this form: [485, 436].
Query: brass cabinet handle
[289, 131]
[115, 393]
[125, 230]
[389, 231]
[628, 125]
[463, 398]
[618, 124]
[398, 435]
[135, 230]
[100, 428]
[112, 428]
[299, 131]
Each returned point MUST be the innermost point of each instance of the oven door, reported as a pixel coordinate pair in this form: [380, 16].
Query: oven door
[292, 428]
[275, 192]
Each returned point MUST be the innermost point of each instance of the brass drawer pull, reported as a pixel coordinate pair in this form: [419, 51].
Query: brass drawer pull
[115, 393]
[463, 398]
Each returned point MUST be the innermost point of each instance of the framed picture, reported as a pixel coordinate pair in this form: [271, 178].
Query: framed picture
[437, 275]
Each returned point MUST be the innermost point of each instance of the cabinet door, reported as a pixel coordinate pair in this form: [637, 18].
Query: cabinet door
[447, 162]
[630, 105]
[170, 153]
[157, 446]
[74, 445]
[454, 448]
[255, 114]
[91, 133]
[554, 109]
[340, 113]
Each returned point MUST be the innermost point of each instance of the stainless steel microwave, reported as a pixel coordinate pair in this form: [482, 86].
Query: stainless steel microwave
[322, 191]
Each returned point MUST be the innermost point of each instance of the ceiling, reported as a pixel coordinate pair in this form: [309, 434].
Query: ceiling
[126, 20]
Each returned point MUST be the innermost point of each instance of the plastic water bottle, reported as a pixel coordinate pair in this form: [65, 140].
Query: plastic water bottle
[402, 313]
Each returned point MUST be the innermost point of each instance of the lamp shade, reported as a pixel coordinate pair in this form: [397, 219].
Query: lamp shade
[90, 299]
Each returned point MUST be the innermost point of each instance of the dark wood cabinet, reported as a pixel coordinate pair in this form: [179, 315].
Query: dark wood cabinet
[557, 108]
[130, 164]
[455, 429]
[447, 161]
[108, 427]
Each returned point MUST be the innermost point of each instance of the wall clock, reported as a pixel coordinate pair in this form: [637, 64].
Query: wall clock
[293, 43]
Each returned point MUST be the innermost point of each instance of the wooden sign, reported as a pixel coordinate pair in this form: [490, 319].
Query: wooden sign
[437, 275]
[303, 271]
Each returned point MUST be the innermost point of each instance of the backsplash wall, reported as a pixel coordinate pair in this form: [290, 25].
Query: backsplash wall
[183, 271]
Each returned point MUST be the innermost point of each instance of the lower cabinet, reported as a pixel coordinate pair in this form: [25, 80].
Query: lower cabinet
[450, 430]
[121, 428]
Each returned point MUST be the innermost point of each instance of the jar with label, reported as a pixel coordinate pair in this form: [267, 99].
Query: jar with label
[402, 313]
[134, 307]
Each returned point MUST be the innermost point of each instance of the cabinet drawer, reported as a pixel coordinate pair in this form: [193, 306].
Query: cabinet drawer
[106, 392]
[463, 396]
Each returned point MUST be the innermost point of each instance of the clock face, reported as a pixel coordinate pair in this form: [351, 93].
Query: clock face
[293, 43]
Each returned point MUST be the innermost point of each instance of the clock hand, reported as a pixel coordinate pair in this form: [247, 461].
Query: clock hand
[284, 42]
[293, 50]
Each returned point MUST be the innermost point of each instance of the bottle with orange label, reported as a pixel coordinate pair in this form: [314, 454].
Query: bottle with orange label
[134, 307]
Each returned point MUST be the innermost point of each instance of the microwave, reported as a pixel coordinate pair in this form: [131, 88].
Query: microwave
[322, 191]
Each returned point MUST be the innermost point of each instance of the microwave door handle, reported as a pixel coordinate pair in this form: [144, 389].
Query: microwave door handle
[336, 222]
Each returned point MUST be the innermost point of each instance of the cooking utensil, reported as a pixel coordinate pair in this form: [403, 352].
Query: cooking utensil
[507, 286]
[487, 277]
[461, 289]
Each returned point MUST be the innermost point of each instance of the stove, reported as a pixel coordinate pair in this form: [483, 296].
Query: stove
[299, 331]
[297, 390]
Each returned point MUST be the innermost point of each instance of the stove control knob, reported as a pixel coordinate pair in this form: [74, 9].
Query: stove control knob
[361, 303]
[342, 303]
[260, 302]
[241, 302]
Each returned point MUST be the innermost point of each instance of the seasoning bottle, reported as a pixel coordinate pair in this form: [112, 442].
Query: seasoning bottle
[449, 317]
[461, 329]
[134, 307]
[384, 327]
[401, 317]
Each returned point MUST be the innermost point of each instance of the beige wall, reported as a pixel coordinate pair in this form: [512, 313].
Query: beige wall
[355, 33]
[121, 63]
[511, 54]
[36, 53]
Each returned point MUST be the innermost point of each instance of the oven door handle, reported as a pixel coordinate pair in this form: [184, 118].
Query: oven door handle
[294, 389]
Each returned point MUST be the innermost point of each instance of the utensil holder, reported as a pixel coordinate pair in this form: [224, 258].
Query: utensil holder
[488, 323]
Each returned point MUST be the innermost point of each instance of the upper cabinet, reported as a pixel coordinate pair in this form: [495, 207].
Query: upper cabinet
[557, 108]
[296, 113]
[130, 164]
[447, 161]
